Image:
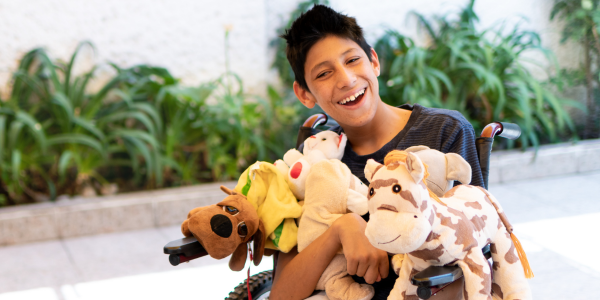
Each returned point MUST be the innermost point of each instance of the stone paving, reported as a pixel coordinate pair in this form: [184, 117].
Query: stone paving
[555, 218]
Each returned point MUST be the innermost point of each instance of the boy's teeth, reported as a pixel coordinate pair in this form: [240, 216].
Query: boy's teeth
[353, 97]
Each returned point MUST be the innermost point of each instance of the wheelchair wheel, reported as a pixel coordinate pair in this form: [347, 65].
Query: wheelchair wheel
[260, 287]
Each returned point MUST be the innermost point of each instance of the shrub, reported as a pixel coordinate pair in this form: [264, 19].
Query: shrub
[480, 73]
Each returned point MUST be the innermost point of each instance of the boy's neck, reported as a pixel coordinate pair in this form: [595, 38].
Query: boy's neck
[384, 126]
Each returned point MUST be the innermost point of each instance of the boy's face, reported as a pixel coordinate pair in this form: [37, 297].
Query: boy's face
[342, 81]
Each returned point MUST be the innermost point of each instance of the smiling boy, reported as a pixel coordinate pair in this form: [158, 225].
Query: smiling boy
[336, 69]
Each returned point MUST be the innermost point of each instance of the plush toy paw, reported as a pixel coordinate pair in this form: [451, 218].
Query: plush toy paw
[357, 203]
[297, 178]
[282, 167]
[397, 262]
[292, 156]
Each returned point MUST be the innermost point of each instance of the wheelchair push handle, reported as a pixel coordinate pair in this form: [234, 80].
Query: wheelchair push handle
[503, 129]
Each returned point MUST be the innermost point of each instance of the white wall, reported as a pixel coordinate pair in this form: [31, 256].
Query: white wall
[187, 36]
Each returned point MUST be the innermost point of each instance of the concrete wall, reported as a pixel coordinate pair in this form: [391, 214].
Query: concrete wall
[188, 36]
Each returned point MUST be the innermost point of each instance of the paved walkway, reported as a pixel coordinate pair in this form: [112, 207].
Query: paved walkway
[556, 219]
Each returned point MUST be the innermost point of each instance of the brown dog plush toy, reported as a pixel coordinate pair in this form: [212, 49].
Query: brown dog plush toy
[227, 227]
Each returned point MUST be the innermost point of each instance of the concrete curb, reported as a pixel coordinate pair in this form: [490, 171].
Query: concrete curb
[550, 160]
[78, 217]
[88, 216]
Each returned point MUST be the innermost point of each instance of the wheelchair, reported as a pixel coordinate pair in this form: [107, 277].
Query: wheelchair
[429, 281]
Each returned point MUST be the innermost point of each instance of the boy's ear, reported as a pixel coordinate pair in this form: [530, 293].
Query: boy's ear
[375, 62]
[304, 96]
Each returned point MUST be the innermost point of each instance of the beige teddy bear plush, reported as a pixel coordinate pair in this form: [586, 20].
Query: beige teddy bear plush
[325, 201]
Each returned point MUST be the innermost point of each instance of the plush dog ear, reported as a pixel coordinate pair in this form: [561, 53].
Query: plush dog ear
[238, 258]
[370, 168]
[228, 191]
[458, 168]
[259, 240]
[415, 167]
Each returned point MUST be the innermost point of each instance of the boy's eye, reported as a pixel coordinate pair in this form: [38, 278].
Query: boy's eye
[322, 74]
[353, 60]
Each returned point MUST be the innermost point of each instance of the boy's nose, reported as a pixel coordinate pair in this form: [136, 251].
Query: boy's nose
[346, 79]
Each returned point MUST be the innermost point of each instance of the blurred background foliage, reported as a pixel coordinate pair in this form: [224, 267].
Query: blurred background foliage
[481, 73]
[581, 25]
[144, 129]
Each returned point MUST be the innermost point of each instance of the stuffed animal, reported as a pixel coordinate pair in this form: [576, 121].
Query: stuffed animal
[325, 201]
[448, 168]
[227, 227]
[321, 146]
[407, 218]
[264, 207]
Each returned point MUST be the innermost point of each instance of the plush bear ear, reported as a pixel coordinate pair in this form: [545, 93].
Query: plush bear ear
[457, 168]
[238, 258]
[342, 141]
[370, 168]
[259, 240]
[309, 144]
[415, 167]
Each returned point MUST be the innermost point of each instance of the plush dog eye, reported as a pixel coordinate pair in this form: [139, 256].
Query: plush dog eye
[231, 210]
[396, 188]
[242, 229]
[371, 192]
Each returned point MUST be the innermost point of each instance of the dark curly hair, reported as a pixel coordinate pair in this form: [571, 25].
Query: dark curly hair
[313, 25]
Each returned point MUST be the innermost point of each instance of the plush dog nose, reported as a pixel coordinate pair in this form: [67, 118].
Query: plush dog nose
[221, 225]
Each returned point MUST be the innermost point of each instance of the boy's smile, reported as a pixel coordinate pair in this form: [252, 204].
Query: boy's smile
[341, 80]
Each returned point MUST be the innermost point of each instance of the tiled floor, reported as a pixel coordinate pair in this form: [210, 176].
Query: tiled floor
[556, 220]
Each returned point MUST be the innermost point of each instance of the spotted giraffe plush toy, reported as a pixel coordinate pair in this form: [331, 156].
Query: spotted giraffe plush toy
[407, 218]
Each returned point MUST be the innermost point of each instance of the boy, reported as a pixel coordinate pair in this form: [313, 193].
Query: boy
[336, 69]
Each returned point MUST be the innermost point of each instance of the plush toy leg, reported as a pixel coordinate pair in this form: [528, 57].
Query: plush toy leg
[509, 278]
[357, 203]
[478, 278]
[339, 285]
[403, 289]
[281, 167]
[397, 261]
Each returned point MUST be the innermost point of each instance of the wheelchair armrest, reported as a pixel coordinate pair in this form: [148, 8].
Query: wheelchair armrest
[436, 276]
[183, 250]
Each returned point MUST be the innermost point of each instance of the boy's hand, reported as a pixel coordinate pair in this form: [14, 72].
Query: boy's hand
[362, 258]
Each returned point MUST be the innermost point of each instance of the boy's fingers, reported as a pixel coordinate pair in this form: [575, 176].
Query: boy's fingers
[362, 268]
[352, 266]
[384, 266]
[372, 274]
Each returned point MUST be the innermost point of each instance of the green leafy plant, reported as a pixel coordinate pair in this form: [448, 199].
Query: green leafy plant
[481, 73]
[582, 22]
[50, 129]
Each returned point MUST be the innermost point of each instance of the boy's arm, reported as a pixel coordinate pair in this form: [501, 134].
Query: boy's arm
[297, 274]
